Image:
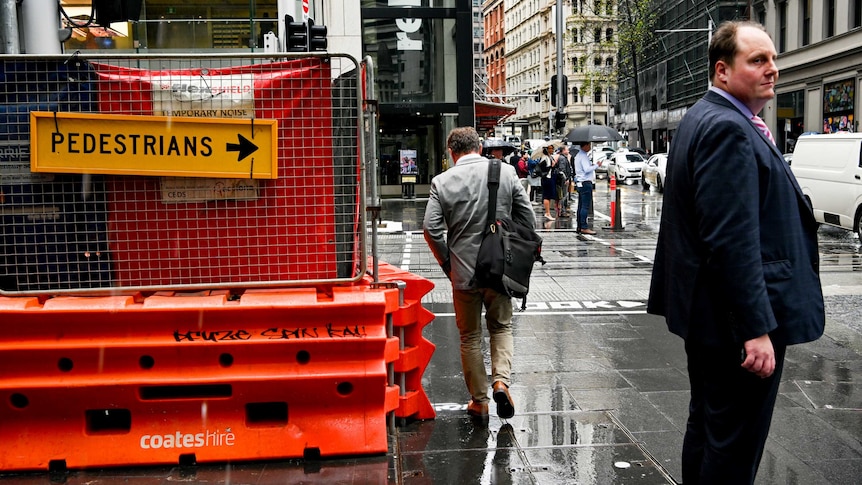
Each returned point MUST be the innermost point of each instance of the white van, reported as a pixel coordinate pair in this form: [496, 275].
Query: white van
[829, 171]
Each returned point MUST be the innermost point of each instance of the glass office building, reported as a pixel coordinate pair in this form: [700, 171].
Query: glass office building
[423, 54]
[422, 51]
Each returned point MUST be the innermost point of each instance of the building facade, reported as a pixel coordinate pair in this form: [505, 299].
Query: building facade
[590, 52]
[673, 73]
[819, 46]
[495, 48]
[588, 62]
[820, 60]
[480, 80]
[528, 45]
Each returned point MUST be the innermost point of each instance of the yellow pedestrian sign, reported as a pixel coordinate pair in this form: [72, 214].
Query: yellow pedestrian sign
[153, 145]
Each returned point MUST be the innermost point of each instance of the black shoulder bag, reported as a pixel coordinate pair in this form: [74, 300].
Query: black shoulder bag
[508, 249]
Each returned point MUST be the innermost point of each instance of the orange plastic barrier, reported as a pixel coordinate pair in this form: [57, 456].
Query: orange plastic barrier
[171, 378]
[415, 352]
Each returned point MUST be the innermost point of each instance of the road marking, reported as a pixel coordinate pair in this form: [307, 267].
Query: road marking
[408, 248]
[584, 307]
[575, 312]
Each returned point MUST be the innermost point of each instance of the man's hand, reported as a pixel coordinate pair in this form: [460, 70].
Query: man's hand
[759, 356]
[447, 269]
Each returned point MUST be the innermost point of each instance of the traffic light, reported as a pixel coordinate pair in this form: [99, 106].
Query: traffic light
[554, 90]
[560, 120]
[297, 35]
[316, 37]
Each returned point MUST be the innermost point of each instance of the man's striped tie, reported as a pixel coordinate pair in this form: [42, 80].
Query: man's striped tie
[758, 122]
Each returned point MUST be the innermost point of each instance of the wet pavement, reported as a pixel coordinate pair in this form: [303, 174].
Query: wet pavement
[600, 387]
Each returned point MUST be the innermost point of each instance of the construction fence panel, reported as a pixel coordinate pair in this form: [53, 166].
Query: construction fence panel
[133, 172]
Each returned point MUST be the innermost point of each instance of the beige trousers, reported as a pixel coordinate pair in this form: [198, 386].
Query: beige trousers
[498, 317]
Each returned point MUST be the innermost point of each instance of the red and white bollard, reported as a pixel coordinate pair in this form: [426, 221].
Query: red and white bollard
[616, 206]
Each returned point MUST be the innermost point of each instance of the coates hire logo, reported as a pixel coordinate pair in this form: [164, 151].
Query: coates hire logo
[188, 440]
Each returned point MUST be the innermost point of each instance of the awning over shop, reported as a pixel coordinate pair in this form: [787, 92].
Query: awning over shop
[489, 115]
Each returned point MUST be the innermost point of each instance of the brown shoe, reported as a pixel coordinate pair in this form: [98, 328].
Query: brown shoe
[586, 231]
[477, 409]
[505, 407]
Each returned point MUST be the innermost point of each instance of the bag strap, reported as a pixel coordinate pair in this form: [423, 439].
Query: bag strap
[491, 221]
[493, 184]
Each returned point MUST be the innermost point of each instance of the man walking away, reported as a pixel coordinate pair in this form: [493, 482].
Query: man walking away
[736, 266]
[458, 207]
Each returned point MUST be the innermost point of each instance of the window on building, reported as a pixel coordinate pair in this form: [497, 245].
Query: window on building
[857, 13]
[830, 18]
[597, 62]
[609, 8]
[597, 95]
[609, 35]
[806, 22]
[609, 62]
[574, 64]
[575, 95]
[597, 35]
[760, 15]
[782, 26]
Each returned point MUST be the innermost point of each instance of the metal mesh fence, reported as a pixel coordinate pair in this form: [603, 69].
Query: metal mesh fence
[180, 172]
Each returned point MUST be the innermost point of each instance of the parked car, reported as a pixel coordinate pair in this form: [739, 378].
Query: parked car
[638, 150]
[514, 140]
[654, 172]
[829, 171]
[627, 166]
[788, 157]
[605, 150]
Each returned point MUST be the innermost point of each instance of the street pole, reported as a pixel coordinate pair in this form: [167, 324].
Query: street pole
[40, 21]
[560, 36]
[9, 27]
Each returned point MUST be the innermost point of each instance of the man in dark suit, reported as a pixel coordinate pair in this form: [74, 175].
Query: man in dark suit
[736, 267]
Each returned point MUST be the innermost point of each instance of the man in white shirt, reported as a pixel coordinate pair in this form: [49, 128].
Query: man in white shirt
[585, 178]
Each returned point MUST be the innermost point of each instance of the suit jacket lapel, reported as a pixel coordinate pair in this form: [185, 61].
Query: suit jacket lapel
[778, 157]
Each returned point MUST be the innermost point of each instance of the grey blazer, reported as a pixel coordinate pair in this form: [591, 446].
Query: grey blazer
[457, 208]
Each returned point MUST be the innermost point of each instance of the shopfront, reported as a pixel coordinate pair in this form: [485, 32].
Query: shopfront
[838, 106]
[831, 106]
[790, 119]
[162, 25]
[423, 81]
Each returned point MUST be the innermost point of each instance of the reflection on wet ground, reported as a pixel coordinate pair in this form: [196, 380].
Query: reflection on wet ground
[600, 387]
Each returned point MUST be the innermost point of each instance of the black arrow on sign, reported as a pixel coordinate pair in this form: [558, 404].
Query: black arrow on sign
[244, 147]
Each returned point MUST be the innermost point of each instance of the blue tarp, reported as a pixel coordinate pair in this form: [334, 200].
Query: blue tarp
[54, 231]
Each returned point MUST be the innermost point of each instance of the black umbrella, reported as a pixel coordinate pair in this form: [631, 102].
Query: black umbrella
[592, 133]
[490, 143]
